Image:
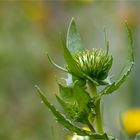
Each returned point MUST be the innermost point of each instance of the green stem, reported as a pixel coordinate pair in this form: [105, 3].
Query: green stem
[93, 93]
[93, 90]
[98, 116]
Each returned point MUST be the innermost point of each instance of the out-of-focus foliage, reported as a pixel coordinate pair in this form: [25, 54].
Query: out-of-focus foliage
[137, 136]
[30, 28]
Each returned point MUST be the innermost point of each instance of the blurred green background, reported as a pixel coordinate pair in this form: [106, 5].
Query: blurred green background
[28, 29]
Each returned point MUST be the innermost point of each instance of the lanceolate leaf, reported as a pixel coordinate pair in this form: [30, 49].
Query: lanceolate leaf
[73, 41]
[72, 66]
[67, 123]
[126, 70]
[106, 42]
[131, 52]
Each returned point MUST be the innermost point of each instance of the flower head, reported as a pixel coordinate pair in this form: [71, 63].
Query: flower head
[96, 64]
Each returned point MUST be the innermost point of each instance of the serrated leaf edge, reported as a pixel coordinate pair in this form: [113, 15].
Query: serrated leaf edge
[67, 123]
[115, 85]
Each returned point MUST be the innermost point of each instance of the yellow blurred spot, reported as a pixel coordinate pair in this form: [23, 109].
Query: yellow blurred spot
[86, 128]
[131, 121]
[69, 137]
[77, 137]
[87, 0]
[33, 9]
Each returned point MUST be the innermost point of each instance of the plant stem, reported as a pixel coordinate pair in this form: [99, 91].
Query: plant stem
[93, 90]
[98, 116]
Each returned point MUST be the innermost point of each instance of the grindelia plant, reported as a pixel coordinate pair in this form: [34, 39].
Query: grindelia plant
[86, 70]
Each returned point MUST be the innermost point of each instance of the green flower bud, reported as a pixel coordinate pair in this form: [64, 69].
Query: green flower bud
[96, 64]
[93, 64]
